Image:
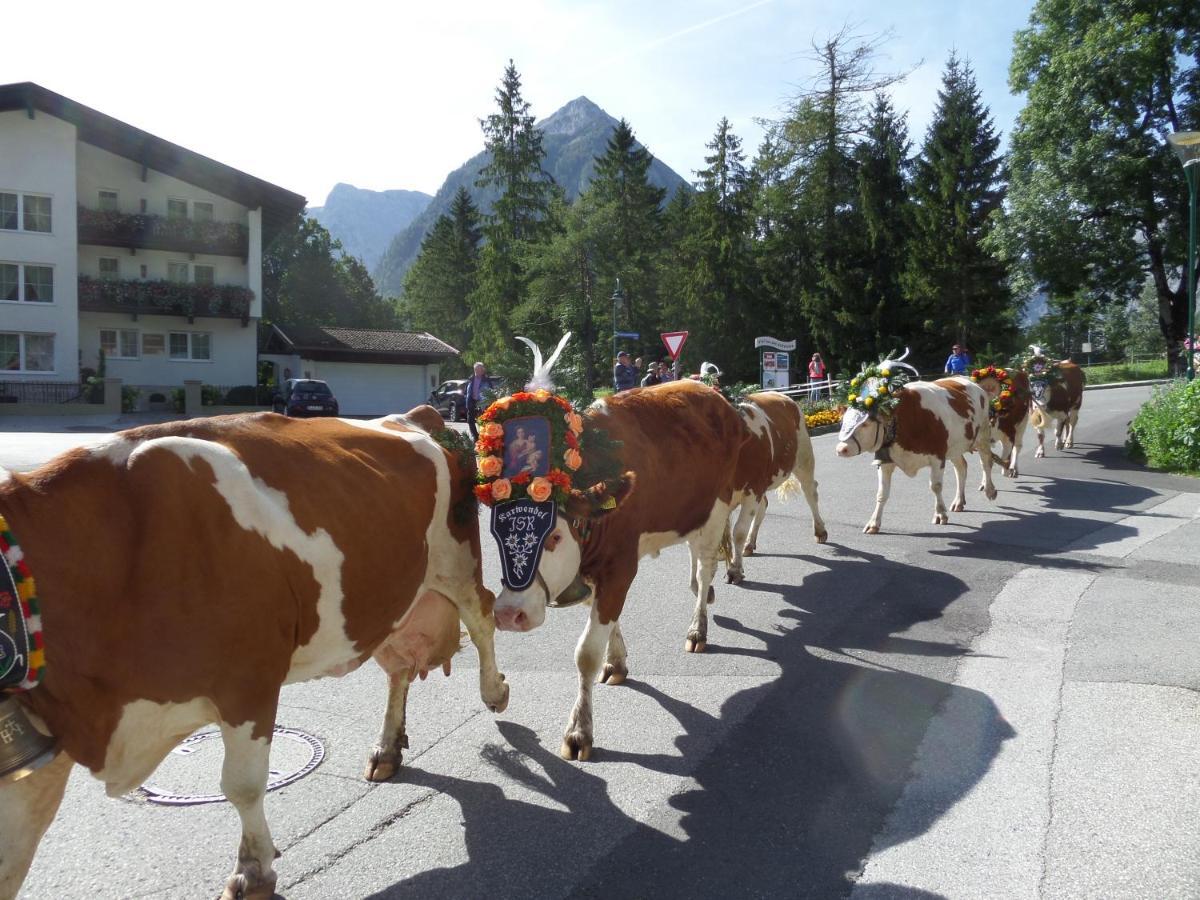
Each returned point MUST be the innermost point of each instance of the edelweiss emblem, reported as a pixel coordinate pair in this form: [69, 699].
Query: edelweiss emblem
[521, 548]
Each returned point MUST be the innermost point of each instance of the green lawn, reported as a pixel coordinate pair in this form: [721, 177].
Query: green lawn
[1126, 371]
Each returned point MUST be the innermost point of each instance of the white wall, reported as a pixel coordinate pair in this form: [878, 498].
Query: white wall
[234, 350]
[253, 265]
[38, 156]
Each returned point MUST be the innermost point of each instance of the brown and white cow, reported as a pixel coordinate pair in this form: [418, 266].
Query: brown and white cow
[1058, 400]
[679, 449]
[187, 571]
[934, 421]
[1009, 425]
[779, 450]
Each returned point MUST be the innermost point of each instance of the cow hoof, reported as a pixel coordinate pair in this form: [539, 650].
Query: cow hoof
[958, 506]
[576, 745]
[695, 645]
[941, 519]
[871, 529]
[822, 536]
[499, 701]
[382, 765]
[613, 673]
[992, 494]
[250, 885]
[734, 576]
[748, 550]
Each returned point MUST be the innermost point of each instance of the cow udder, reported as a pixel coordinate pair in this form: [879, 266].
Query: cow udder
[427, 637]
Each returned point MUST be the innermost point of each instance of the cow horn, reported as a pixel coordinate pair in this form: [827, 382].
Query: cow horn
[23, 749]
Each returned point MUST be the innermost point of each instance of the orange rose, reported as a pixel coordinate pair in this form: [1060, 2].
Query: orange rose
[540, 489]
[574, 422]
[541, 394]
[490, 466]
[492, 430]
[573, 459]
[501, 489]
[502, 403]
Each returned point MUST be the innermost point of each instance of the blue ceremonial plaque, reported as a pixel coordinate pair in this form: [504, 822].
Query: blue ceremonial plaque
[520, 528]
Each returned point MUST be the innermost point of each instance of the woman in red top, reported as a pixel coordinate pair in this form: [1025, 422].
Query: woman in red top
[816, 372]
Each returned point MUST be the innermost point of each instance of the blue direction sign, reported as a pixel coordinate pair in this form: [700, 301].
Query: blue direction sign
[632, 335]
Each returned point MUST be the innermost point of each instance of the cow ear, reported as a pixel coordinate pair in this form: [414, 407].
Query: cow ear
[600, 499]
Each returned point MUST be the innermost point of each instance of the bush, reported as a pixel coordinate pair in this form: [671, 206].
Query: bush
[177, 399]
[129, 398]
[248, 395]
[210, 395]
[1166, 431]
[1126, 371]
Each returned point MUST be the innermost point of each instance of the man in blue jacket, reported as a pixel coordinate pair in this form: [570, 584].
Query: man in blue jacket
[959, 361]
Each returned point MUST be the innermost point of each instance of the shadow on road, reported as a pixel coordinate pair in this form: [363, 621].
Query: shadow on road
[786, 802]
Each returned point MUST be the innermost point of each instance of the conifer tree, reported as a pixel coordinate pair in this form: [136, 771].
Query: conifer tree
[960, 287]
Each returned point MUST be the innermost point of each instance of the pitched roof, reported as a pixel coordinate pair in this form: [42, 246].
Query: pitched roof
[364, 344]
[96, 128]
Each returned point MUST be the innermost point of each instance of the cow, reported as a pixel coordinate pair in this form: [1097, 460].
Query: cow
[1010, 422]
[187, 571]
[779, 451]
[933, 422]
[679, 448]
[1059, 400]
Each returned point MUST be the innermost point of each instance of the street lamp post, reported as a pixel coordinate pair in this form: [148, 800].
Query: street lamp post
[617, 296]
[1186, 145]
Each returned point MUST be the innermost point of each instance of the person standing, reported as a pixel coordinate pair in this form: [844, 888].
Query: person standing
[624, 375]
[476, 385]
[959, 361]
[816, 373]
[665, 372]
[652, 376]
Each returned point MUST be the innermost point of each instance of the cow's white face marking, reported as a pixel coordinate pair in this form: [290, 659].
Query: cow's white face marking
[559, 567]
[258, 507]
[864, 436]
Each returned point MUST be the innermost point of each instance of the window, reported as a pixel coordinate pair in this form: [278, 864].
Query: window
[21, 281]
[8, 212]
[26, 352]
[202, 274]
[119, 343]
[10, 280]
[39, 284]
[37, 213]
[110, 268]
[108, 201]
[154, 344]
[190, 345]
[202, 212]
[176, 209]
[177, 271]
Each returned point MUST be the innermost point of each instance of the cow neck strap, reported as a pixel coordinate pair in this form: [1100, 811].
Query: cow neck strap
[884, 453]
[22, 650]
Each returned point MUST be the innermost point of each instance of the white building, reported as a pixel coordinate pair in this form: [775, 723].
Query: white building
[114, 239]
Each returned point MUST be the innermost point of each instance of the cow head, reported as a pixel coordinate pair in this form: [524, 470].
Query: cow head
[861, 432]
[558, 582]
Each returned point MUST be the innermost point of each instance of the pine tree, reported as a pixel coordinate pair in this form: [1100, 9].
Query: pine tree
[960, 287]
[438, 286]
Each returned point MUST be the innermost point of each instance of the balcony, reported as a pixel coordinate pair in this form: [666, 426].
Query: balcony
[165, 298]
[146, 232]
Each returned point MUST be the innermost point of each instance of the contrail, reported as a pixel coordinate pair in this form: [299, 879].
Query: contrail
[702, 25]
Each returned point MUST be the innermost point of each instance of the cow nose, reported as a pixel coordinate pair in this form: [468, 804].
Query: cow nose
[511, 618]
[843, 449]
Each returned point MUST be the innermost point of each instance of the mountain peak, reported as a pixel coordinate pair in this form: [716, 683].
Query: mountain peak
[574, 116]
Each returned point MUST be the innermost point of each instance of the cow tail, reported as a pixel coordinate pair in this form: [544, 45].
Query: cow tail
[789, 489]
[1037, 418]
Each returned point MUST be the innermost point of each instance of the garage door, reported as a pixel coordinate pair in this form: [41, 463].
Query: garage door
[363, 389]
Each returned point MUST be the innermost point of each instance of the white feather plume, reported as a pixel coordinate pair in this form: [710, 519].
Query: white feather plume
[541, 371]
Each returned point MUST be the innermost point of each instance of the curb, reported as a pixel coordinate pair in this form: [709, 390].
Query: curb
[1123, 384]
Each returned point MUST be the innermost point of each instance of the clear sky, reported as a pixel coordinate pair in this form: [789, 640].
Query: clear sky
[388, 95]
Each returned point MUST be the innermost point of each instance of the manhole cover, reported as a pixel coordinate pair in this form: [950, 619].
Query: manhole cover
[191, 773]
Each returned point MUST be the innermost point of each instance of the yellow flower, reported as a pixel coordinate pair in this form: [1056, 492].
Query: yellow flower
[883, 389]
[853, 382]
[870, 401]
[541, 394]
[490, 466]
[852, 397]
[885, 372]
[540, 489]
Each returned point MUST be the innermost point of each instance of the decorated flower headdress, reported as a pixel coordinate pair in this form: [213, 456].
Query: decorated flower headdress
[876, 388]
[1004, 385]
[1038, 366]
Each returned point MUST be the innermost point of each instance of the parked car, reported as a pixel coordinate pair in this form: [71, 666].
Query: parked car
[450, 398]
[305, 397]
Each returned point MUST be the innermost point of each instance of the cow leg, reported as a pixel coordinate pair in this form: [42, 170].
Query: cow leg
[1040, 453]
[936, 471]
[886, 470]
[27, 808]
[393, 740]
[734, 573]
[985, 460]
[804, 470]
[615, 668]
[1072, 421]
[1060, 427]
[694, 584]
[760, 513]
[482, 630]
[960, 483]
[244, 783]
[577, 739]
[704, 551]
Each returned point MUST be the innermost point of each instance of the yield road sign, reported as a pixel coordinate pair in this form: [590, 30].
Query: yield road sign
[674, 341]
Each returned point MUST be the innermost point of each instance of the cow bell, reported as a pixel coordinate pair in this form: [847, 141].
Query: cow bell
[23, 749]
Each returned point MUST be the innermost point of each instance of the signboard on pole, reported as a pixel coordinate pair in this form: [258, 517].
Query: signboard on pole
[674, 341]
[768, 359]
[773, 343]
[632, 335]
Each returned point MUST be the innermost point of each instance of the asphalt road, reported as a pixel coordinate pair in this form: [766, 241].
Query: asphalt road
[1005, 706]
